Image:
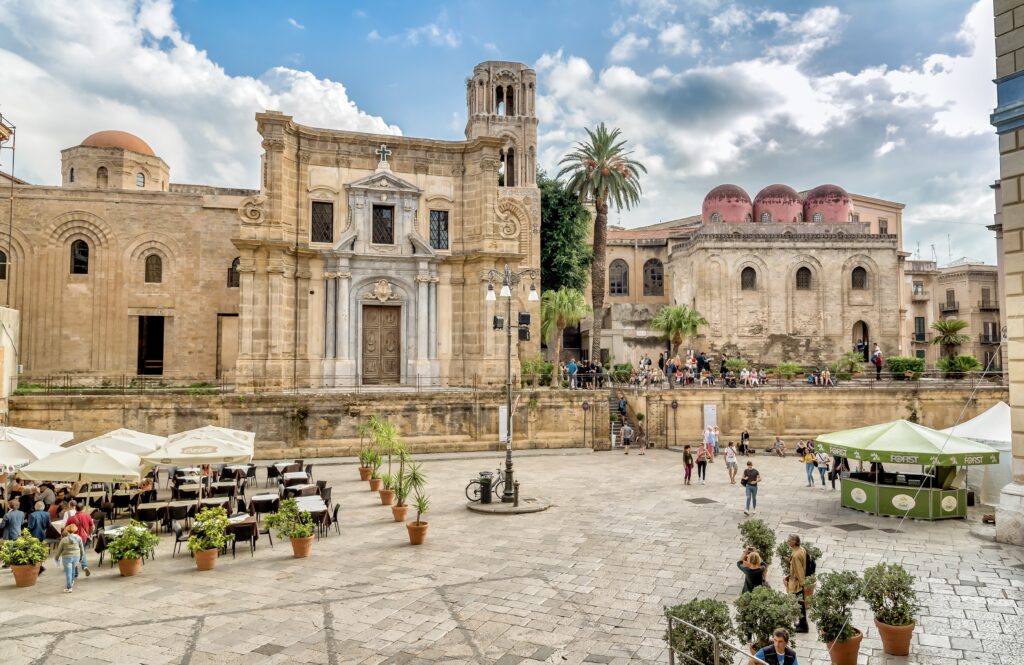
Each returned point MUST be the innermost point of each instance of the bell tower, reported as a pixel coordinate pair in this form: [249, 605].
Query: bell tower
[500, 102]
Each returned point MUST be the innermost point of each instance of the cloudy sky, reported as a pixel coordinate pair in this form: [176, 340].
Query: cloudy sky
[886, 98]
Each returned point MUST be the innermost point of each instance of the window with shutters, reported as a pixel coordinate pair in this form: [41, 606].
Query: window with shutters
[154, 269]
[618, 278]
[383, 232]
[715, 218]
[79, 257]
[439, 229]
[859, 278]
[748, 279]
[883, 227]
[766, 217]
[803, 278]
[950, 297]
[322, 228]
[654, 278]
[818, 218]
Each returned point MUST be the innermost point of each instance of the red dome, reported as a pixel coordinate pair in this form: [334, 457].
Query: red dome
[112, 138]
[827, 204]
[780, 202]
[726, 203]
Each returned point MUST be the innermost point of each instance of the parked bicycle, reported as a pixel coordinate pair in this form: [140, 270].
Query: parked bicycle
[497, 485]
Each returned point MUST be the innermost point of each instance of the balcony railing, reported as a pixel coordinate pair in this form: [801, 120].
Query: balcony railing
[922, 337]
[988, 306]
[919, 297]
[989, 339]
[949, 306]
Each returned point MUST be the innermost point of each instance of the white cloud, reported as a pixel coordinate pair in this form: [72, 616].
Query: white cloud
[295, 24]
[810, 33]
[373, 36]
[134, 70]
[434, 34]
[675, 40]
[733, 19]
[492, 48]
[628, 46]
[778, 18]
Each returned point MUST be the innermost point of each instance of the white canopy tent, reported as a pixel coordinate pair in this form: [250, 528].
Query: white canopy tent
[992, 428]
[90, 463]
[20, 446]
[205, 445]
[126, 440]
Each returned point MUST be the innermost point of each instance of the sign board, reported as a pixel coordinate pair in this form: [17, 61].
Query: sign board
[503, 423]
[710, 415]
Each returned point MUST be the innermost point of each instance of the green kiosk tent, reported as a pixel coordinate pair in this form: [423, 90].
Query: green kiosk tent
[938, 492]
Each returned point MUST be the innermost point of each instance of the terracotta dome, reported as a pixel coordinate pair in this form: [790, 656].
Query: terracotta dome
[830, 202]
[112, 138]
[729, 202]
[780, 202]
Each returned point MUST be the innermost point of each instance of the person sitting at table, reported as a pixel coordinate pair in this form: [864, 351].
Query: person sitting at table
[57, 509]
[38, 520]
[46, 494]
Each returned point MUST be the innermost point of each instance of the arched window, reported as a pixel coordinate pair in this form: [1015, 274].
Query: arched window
[859, 278]
[818, 218]
[154, 269]
[749, 218]
[3, 265]
[618, 278]
[101, 176]
[803, 278]
[766, 216]
[748, 279]
[140, 179]
[233, 277]
[654, 278]
[79, 257]
[715, 218]
[71, 174]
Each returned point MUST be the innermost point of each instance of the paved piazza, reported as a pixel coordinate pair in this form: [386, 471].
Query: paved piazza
[584, 582]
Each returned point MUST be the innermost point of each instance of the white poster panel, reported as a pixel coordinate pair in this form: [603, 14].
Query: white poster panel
[503, 423]
[710, 415]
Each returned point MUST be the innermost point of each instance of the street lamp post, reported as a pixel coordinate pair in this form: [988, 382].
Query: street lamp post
[508, 280]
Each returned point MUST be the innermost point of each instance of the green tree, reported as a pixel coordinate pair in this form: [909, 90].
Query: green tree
[949, 336]
[601, 170]
[676, 323]
[559, 309]
[565, 252]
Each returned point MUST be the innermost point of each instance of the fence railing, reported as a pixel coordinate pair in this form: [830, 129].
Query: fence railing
[721, 652]
[863, 380]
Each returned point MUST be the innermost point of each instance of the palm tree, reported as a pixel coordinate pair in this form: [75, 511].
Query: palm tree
[677, 323]
[601, 170]
[559, 309]
[949, 336]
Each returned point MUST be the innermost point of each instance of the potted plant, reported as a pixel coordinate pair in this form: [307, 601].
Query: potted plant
[757, 534]
[128, 549]
[783, 551]
[831, 612]
[365, 458]
[387, 491]
[889, 590]
[24, 556]
[209, 536]
[760, 612]
[410, 481]
[707, 614]
[375, 462]
[418, 528]
[289, 522]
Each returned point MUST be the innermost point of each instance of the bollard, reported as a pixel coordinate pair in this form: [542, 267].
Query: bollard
[515, 497]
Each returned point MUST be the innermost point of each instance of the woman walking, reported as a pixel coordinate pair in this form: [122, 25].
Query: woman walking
[70, 550]
[687, 465]
[822, 458]
[702, 464]
[809, 460]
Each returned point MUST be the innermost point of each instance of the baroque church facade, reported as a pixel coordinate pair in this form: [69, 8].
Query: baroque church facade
[360, 260]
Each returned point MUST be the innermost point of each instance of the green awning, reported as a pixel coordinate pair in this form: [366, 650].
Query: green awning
[904, 442]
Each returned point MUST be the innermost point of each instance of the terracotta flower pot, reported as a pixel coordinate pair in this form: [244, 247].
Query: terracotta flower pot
[364, 473]
[129, 567]
[417, 532]
[206, 559]
[895, 639]
[25, 575]
[399, 512]
[375, 484]
[387, 497]
[302, 546]
[845, 653]
[808, 592]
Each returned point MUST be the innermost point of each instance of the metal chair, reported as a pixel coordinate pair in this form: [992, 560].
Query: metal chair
[334, 518]
[224, 491]
[244, 532]
[122, 502]
[187, 495]
[179, 538]
[263, 506]
[325, 494]
[250, 474]
[272, 472]
[175, 513]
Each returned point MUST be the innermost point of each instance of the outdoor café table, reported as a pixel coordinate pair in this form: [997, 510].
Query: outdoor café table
[90, 497]
[310, 504]
[305, 489]
[281, 466]
[294, 478]
[188, 470]
[224, 483]
[190, 487]
[221, 501]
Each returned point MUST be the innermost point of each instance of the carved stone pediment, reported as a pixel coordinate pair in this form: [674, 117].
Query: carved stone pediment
[381, 291]
[383, 182]
[253, 210]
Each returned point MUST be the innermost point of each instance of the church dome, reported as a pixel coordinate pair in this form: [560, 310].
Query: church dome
[726, 203]
[112, 138]
[778, 203]
[827, 204]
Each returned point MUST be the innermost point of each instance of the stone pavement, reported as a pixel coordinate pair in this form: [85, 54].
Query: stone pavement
[583, 582]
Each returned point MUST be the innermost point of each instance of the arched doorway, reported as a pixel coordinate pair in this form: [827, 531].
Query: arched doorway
[861, 339]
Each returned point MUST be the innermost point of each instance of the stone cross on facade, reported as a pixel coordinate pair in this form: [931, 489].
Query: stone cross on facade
[383, 152]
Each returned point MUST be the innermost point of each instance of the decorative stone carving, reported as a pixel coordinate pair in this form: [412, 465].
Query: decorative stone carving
[512, 216]
[490, 165]
[273, 144]
[304, 156]
[458, 170]
[381, 291]
[253, 210]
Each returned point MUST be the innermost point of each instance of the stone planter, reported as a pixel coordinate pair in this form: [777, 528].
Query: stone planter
[129, 567]
[25, 575]
[302, 546]
[845, 653]
[206, 559]
[895, 639]
[417, 532]
[387, 497]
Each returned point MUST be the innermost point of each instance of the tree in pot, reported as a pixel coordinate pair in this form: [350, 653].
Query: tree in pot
[784, 551]
[831, 612]
[129, 548]
[365, 459]
[707, 614]
[889, 590]
[418, 529]
[24, 555]
[375, 463]
[289, 522]
[209, 536]
[757, 534]
[760, 612]
[410, 481]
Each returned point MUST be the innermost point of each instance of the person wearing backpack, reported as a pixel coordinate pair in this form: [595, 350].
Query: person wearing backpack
[876, 359]
[797, 576]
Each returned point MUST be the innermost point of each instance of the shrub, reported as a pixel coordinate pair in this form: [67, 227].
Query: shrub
[707, 614]
[536, 368]
[850, 362]
[210, 530]
[735, 364]
[289, 522]
[761, 611]
[784, 550]
[832, 605]
[900, 365]
[620, 373]
[757, 534]
[27, 550]
[889, 590]
[954, 367]
[411, 480]
[788, 370]
[135, 542]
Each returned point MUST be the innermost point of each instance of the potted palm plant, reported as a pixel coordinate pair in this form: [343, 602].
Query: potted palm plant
[289, 522]
[418, 528]
[129, 548]
[760, 612]
[365, 458]
[831, 612]
[784, 551]
[757, 534]
[707, 614]
[889, 590]
[375, 480]
[24, 556]
[410, 481]
[387, 489]
[209, 536]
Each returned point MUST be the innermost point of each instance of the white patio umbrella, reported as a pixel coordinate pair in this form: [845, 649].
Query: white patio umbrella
[127, 440]
[206, 445]
[45, 435]
[17, 449]
[89, 463]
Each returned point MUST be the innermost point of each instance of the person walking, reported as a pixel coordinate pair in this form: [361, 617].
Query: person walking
[778, 651]
[751, 479]
[627, 436]
[876, 360]
[13, 521]
[38, 521]
[731, 463]
[715, 438]
[702, 464]
[573, 368]
[797, 576]
[822, 459]
[70, 550]
[84, 525]
[809, 460]
[838, 465]
[687, 464]
[753, 570]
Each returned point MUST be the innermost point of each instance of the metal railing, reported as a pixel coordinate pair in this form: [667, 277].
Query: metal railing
[988, 306]
[922, 337]
[864, 379]
[722, 652]
[990, 339]
[949, 306]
